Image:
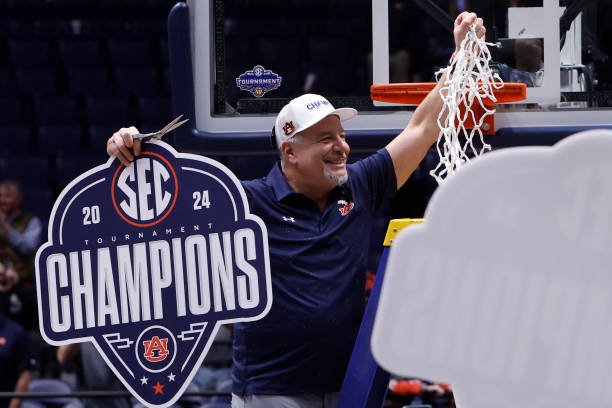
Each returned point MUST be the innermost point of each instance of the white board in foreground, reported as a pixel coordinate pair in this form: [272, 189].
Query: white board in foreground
[505, 291]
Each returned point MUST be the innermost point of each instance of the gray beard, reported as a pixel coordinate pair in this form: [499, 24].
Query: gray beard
[336, 180]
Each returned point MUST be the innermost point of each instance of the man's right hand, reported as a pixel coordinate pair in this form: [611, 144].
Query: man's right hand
[123, 146]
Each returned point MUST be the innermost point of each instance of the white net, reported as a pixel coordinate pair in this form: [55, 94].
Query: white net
[469, 81]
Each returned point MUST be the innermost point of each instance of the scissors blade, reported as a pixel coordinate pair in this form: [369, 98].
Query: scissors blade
[157, 135]
[171, 128]
[144, 136]
[169, 125]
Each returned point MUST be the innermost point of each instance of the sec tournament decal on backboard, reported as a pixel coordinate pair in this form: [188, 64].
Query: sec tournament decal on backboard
[147, 262]
[258, 81]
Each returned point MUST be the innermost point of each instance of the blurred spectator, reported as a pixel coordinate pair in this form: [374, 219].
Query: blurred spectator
[14, 361]
[217, 366]
[20, 231]
[528, 54]
[93, 374]
[410, 391]
[17, 299]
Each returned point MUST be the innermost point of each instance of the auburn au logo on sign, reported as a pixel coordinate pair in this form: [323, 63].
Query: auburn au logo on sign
[147, 261]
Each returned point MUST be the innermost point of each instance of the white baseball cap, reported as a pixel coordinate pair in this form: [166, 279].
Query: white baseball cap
[304, 112]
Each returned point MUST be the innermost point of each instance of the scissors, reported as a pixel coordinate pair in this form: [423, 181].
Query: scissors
[158, 135]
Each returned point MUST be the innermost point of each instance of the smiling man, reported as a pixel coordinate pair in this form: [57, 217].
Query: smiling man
[319, 213]
[313, 146]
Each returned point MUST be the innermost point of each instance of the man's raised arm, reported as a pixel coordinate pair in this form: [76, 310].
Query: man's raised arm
[410, 146]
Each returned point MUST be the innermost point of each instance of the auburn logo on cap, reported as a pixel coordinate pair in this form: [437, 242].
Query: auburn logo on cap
[288, 128]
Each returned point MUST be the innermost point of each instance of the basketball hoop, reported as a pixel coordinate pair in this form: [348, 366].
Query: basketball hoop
[469, 94]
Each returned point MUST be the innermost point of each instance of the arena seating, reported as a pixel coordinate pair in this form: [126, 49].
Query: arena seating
[60, 140]
[31, 80]
[15, 139]
[223, 386]
[29, 53]
[154, 111]
[80, 53]
[55, 110]
[130, 52]
[51, 385]
[5, 82]
[107, 110]
[97, 136]
[137, 81]
[40, 200]
[11, 109]
[73, 75]
[191, 400]
[90, 81]
[31, 404]
[216, 404]
[30, 169]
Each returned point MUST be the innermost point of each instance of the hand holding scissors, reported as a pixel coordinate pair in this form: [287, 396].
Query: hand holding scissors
[125, 143]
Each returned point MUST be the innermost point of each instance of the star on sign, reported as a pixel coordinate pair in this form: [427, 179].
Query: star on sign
[143, 380]
[158, 388]
[171, 377]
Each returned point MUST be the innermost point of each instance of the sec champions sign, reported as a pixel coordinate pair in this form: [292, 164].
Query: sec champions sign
[147, 262]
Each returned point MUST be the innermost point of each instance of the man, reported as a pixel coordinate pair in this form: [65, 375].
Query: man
[20, 231]
[318, 212]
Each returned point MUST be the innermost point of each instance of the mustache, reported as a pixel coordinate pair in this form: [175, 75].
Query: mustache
[336, 156]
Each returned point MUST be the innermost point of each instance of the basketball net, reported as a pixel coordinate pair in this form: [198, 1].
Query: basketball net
[469, 80]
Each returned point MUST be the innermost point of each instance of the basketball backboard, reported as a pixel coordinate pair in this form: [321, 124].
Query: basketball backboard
[237, 62]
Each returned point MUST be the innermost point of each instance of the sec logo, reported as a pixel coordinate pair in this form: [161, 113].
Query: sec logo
[144, 193]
